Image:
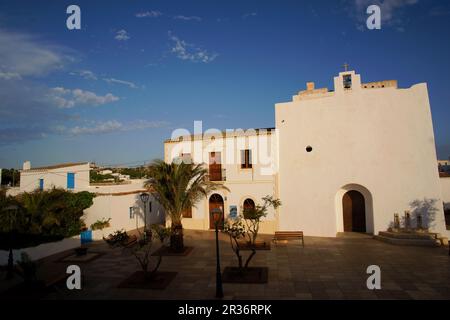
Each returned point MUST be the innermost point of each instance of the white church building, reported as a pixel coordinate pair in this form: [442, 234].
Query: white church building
[342, 160]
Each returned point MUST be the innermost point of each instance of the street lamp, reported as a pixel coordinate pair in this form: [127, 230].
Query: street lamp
[12, 221]
[144, 198]
[217, 214]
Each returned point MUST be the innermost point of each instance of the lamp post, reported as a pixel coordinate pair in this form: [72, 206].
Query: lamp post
[10, 269]
[144, 198]
[217, 214]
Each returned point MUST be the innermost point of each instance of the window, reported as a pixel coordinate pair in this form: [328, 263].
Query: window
[186, 158]
[70, 180]
[131, 212]
[41, 184]
[246, 159]
[187, 213]
[215, 158]
[248, 208]
[347, 81]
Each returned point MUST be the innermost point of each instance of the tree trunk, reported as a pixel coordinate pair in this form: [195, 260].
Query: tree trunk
[10, 273]
[176, 238]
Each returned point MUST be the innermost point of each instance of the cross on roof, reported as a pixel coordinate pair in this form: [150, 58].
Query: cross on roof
[346, 66]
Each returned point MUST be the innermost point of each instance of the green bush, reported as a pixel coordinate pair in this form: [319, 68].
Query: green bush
[41, 216]
[101, 224]
[118, 238]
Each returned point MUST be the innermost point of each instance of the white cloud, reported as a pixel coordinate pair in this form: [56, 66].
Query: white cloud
[86, 74]
[440, 11]
[89, 75]
[67, 98]
[24, 55]
[10, 76]
[187, 51]
[123, 82]
[122, 35]
[248, 15]
[102, 127]
[149, 14]
[187, 18]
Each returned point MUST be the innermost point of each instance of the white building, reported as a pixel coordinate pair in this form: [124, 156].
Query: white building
[69, 176]
[120, 202]
[232, 160]
[340, 160]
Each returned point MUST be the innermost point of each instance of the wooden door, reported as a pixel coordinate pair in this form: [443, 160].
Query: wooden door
[354, 212]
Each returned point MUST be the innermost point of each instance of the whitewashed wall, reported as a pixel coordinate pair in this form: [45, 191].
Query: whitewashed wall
[254, 183]
[380, 141]
[445, 189]
[42, 250]
[113, 202]
[29, 179]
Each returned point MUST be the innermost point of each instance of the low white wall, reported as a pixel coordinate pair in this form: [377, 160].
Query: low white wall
[99, 234]
[13, 191]
[115, 201]
[445, 189]
[42, 250]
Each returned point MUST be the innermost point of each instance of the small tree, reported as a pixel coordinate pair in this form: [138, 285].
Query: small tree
[236, 231]
[246, 226]
[141, 248]
[253, 217]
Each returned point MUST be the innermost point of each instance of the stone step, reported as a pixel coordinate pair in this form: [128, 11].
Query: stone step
[409, 242]
[354, 235]
[407, 235]
[443, 240]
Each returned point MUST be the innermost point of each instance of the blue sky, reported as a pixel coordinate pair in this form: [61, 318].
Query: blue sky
[114, 90]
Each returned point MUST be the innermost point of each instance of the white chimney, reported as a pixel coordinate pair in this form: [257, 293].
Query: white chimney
[27, 165]
[310, 86]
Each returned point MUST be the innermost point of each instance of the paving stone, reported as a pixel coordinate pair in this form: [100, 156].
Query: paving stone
[327, 268]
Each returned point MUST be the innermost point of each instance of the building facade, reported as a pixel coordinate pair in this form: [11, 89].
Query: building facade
[69, 176]
[342, 160]
[233, 160]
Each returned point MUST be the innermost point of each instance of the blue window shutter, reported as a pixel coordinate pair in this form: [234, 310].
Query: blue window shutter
[41, 184]
[70, 180]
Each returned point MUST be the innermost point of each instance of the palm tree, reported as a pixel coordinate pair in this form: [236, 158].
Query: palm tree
[178, 187]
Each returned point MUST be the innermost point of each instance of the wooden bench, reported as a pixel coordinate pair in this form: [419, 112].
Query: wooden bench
[287, 235]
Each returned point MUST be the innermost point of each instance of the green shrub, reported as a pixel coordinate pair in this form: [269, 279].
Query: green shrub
[101, 224]
[42, 216]
[117, 238]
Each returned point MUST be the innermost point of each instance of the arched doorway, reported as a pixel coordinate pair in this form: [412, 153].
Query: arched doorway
[354, 211]
[248, 208]
[215, 201]
[249, 204]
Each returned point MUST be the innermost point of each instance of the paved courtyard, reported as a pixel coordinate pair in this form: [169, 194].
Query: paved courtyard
[326, 268]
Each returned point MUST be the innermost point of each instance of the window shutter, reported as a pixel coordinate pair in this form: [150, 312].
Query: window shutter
[70, 180]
